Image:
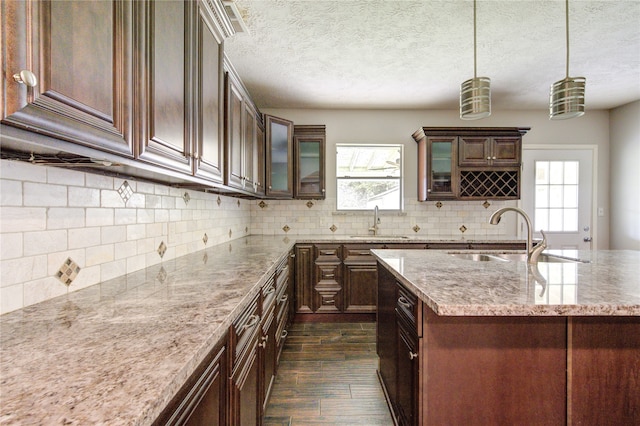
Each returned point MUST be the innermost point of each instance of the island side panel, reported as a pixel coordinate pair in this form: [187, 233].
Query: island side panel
[493, 370]
[604, 370]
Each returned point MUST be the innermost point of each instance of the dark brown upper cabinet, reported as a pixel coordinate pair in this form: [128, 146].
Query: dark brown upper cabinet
[309, 168]
[466, 163]
[489, 151]
[167, 83]
[244, 137]
[68, 72]
[209, 146]
[279, 150]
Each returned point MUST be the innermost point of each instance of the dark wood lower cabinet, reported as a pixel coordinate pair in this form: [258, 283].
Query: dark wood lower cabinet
[245, 390]
[203, 399]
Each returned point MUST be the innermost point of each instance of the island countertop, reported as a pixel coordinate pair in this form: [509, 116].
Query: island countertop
[607, 285]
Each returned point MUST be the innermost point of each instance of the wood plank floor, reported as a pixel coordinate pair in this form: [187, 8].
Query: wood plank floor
[327, 375]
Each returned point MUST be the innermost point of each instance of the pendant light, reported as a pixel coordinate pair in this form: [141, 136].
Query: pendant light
[566, 98]
[475, 93]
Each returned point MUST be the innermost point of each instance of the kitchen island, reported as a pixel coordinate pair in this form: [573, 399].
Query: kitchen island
[479, 340]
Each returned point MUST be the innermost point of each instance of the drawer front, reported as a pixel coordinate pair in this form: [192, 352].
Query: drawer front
[351, 251]
[246, 328]
[268, 294]
[327, 252]
[407, 305]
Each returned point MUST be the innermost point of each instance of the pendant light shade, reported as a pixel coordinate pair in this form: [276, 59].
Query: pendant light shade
[475, 93]
[566, 98]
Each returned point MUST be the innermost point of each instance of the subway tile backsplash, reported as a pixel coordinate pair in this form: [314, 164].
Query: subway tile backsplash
[50, 215]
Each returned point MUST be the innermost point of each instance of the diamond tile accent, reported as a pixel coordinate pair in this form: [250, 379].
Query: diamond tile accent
[463, 228]
[186, 197]
[333, 228]
[219, 201]
[205, 258]
[238, 203]
[286, 240]
[125, 191]
[486, 204]
[262, 204]
[68, 272]
[416, 228]
[230, 233]
[162, 249]
[205, 239]
[439, 204]
[246, 229]
[309, 204]
[286, 228]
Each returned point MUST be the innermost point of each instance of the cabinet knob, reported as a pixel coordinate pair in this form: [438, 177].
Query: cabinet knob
[413, 355]
[26, 77]
[493, 158]
[284, 334]
[488, 158]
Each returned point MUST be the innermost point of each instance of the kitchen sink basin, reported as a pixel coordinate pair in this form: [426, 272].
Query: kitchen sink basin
[513, 257]
[379, 237]
[478, 257]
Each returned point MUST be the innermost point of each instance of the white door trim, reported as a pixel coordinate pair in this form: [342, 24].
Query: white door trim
[594, 182]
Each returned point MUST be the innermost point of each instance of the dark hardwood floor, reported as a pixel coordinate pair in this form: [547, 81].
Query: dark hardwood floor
[327, 375]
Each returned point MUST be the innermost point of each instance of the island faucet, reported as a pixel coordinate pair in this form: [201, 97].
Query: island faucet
[376, 221]
[532, 253]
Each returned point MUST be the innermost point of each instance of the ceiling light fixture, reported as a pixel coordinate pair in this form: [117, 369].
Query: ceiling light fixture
[475, 93]
[566, 98]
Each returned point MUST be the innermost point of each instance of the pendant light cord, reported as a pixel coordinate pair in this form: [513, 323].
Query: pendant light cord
[567, 29]
[474, 41]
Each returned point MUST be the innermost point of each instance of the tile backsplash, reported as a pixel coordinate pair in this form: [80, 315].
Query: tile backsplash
[106, 226]
[62, 230]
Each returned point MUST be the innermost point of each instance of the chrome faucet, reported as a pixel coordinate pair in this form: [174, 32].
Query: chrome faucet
[532, 253]
[376, 221]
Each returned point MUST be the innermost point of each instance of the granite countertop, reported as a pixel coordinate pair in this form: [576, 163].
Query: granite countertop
[116, 353]
[609, 284]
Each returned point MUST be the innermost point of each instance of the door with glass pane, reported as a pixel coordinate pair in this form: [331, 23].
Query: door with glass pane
[557, 193]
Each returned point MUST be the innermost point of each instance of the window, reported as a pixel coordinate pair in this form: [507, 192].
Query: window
[369, 176]
[556, 199]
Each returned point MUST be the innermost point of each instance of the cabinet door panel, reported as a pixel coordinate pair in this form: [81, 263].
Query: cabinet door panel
[474, 151]
[279, 150]
[304, 279]
[166, 125]
[80, 54]
[210, 156]
[233, 142]
[506, 151]
[360, 285]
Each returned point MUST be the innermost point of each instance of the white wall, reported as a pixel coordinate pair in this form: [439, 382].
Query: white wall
[396, 126]
[625, 177]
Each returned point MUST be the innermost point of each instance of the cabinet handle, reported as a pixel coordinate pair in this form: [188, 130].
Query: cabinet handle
[284, 298]
[284, 334]
[26, 77]
[292, 255]
[404, 302]
[413, 355]
[493, 158]
[328, 276]
[253, 320]
[271, 290]
[265, 339]
[329, 302]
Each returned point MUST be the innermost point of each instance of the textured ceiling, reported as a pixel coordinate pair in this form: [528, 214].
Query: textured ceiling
[414, 54]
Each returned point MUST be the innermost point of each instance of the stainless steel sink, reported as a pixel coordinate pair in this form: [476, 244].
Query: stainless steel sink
[379, 237]
[513, 257]
[545, 258]
[478, 257]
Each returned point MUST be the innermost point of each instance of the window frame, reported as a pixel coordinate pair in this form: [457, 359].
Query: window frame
[399, 178]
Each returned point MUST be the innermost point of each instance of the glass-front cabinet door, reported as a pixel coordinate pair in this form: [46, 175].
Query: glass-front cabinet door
[309, 172]
[441, 161]
[279, 148]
